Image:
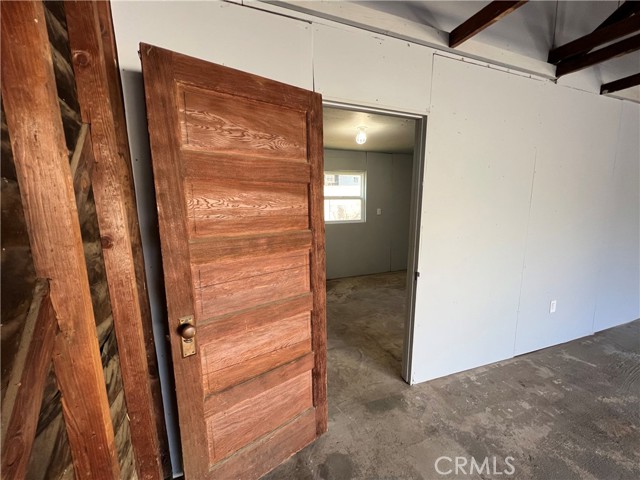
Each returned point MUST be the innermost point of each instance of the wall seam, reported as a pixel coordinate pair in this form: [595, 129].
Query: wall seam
[526, 247]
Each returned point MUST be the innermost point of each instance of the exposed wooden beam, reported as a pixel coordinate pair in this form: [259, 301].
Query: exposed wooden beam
[42, 166]
[23, 399]
[117, 104]
[596, 38]
[621, 84]
[618, 49]
[481, 20]
[110, 178]
[628, 8]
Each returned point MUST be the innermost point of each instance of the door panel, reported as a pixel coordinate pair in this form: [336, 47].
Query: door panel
[238, 172]
[224, 207]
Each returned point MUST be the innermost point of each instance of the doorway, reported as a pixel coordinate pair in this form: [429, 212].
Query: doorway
[373, 164]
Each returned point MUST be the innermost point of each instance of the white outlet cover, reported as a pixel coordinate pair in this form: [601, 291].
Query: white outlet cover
[379, 211]
[552, 306]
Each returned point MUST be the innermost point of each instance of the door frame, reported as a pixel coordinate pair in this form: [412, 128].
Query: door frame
[419, 155]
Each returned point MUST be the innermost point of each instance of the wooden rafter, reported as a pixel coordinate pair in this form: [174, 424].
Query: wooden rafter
[628, 8]
[42, 166]
[23, 399]
[481, 20]
[618, 49]
[112, 191]
[621, 84]
[596, 38]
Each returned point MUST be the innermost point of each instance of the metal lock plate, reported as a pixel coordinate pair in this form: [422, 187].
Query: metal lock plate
[187, 335]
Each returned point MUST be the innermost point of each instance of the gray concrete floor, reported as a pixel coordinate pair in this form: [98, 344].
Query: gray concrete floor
[566, 412]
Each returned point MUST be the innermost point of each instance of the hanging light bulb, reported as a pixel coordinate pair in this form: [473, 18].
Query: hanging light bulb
[361, 136]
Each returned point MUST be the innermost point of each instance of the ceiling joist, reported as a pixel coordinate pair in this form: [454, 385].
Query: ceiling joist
[481, 20]
[628, 8]
[618, 49]
[622, 84]
[596, 38]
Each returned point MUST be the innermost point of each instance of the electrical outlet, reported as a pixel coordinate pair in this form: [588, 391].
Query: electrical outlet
[379, 211]
[552, 306]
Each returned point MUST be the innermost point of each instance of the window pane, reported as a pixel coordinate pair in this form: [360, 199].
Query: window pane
[343, 185]
[342, 210]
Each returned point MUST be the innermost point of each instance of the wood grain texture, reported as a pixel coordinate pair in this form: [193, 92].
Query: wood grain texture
[212, 166]
[129, 197]
[252, 248]
[226, 248]
[318, 265]
[257, 414]
[486, 17]
[226, 351]
[107, 179]
[26, 387]
[240, 322]
[226, 399]
[270, 451]
[228, 124]
[216, 272]
[232, 286]
[42, 167]
[241, 372]
[164, 135]
[222, 207]
[228, 80]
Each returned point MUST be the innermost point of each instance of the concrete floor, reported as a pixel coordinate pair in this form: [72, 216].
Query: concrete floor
[566, 412]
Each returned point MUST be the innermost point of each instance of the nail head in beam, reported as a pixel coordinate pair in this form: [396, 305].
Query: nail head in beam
[618, 49]
[481, 20]
[594, 39]
[621, 84]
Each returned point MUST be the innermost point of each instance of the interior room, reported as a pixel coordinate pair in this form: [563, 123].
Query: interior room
[308, 239]
[368, 170]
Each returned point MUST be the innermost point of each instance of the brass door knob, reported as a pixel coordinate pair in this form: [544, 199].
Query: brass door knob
[187, 331]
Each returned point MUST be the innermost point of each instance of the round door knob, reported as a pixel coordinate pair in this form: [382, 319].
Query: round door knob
[187, 331]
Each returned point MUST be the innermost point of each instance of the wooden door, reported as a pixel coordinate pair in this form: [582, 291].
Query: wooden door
[238, 169]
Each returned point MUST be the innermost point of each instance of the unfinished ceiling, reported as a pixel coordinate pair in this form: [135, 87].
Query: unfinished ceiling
[385, 133]
[528, 32]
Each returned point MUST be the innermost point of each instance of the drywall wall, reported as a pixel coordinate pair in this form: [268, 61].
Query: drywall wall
[379, 244]
[477, 187]
[576, 149]
[618, 294]
[486, 133]
[520, 186]
[362, 68]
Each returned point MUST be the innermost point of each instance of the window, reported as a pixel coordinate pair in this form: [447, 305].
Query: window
[344, 196]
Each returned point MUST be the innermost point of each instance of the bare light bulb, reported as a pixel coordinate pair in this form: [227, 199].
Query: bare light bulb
[361, 136]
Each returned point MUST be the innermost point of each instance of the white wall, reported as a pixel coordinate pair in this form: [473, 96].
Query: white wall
[618, 295]
[381, 243]
[530, 195]
[530, 188]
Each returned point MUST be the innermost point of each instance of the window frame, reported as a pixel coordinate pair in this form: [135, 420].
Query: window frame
[362, 197]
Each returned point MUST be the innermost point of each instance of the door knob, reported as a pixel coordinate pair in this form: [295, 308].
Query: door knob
[187, 331]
